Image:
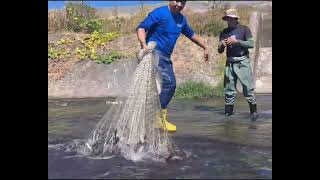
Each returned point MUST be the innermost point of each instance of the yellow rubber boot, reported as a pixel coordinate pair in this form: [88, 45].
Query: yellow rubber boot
[168, 126]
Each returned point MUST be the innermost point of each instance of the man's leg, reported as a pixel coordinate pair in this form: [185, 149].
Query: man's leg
[168, 81]
[230, 81]
[244, 73]
[168, 87]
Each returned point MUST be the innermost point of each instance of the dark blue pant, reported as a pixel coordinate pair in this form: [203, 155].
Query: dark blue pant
[168, 80]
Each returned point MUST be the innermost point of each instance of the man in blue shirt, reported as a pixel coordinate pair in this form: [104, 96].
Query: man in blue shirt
[164, 26]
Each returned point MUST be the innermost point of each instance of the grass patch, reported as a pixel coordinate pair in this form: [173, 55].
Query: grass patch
[108, 59]
[192, 89]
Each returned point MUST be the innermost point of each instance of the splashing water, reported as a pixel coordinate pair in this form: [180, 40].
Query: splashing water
[133, 127]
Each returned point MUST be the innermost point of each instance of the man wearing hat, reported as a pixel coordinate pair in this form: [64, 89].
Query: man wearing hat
[237, 39]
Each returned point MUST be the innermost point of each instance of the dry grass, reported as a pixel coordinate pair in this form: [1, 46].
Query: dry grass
[57, 69]
[210, 23]
[187, 57]
[57, 20]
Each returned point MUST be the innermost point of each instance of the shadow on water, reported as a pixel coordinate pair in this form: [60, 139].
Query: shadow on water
[216, 147]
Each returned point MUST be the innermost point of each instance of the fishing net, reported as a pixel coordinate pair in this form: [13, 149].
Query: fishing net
[133, 125]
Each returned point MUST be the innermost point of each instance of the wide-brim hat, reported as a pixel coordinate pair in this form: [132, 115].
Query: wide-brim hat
[233, 13]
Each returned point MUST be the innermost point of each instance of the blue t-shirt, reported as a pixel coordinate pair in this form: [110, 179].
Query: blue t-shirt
[164, 28]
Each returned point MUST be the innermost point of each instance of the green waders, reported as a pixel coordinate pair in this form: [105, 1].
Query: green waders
[234, 71]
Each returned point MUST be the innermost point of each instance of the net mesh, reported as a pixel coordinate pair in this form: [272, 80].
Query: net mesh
[133, 126]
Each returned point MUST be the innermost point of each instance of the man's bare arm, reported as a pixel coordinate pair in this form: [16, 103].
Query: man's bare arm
[141, 34]
[196, 39]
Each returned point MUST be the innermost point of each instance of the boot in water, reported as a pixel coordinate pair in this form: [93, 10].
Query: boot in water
[253, 112]
[228, 110]
[168, 126]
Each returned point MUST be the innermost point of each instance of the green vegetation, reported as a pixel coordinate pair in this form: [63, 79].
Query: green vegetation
[85, 47]
[192, 89]
[81, 17]
[107, 59]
